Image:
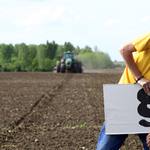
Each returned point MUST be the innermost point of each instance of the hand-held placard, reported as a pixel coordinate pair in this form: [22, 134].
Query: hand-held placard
[144, 123]
[143, 110]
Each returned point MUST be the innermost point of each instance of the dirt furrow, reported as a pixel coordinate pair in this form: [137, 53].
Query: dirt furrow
[69, 116]
[48, 94]
[63, 117]
[12, 129]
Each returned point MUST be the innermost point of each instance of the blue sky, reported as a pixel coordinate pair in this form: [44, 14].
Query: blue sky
[107, 24]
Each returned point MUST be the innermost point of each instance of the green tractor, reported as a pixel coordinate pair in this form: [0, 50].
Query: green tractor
[69, 63]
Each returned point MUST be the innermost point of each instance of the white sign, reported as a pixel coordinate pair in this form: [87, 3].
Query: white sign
[127, 109]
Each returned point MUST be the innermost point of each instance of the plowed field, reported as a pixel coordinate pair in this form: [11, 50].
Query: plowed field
[50, 111]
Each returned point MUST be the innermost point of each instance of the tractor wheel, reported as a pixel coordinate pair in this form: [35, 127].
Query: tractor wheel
[75, 68]
[80, 66]
[58, 66]
[62, 68]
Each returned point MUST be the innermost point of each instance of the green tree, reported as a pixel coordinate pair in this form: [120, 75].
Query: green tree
[77, 50]
[60, 50]
[32, 51]
[41, 55]
[68, 47]
[86, 50]
[15, 64]
[16, 49]
[24, 57]
[5, 56]
[6, 52]
[58, 57]
[35, 64]
[50, 50]
[48, 64]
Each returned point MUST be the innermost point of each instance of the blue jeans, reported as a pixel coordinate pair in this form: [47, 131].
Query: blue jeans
[114, 142]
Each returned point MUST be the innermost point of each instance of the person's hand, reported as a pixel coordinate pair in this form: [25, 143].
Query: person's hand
[145, 83]
[148, 140]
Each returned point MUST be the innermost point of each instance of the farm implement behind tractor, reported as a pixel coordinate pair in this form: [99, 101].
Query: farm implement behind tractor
[69, 63]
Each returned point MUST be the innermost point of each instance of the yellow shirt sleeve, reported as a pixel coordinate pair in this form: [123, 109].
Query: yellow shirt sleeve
[141, 57]
[142, 43]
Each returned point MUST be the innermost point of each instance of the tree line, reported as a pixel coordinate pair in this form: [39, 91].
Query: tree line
[43, 57]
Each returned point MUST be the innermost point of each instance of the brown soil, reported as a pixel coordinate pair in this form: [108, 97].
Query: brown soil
[54, 111]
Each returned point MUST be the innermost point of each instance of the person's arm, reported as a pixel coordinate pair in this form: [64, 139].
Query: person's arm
[148, 140]
[126, 52]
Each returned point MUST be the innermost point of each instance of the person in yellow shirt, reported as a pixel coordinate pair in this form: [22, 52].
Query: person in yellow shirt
[136, 55]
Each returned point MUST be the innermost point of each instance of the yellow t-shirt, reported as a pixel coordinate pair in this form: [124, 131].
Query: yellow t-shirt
[141, 58]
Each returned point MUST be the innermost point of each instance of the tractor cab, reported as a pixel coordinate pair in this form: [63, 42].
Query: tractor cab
[68, 55]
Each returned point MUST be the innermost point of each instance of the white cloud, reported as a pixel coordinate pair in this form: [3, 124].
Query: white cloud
[127, 24]
[89, 18]
[71, 12]
[77, 17]
[112, 22]
[145, 19]
[29, 29]
[125, 32]
[66, 20]
[41, 16]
